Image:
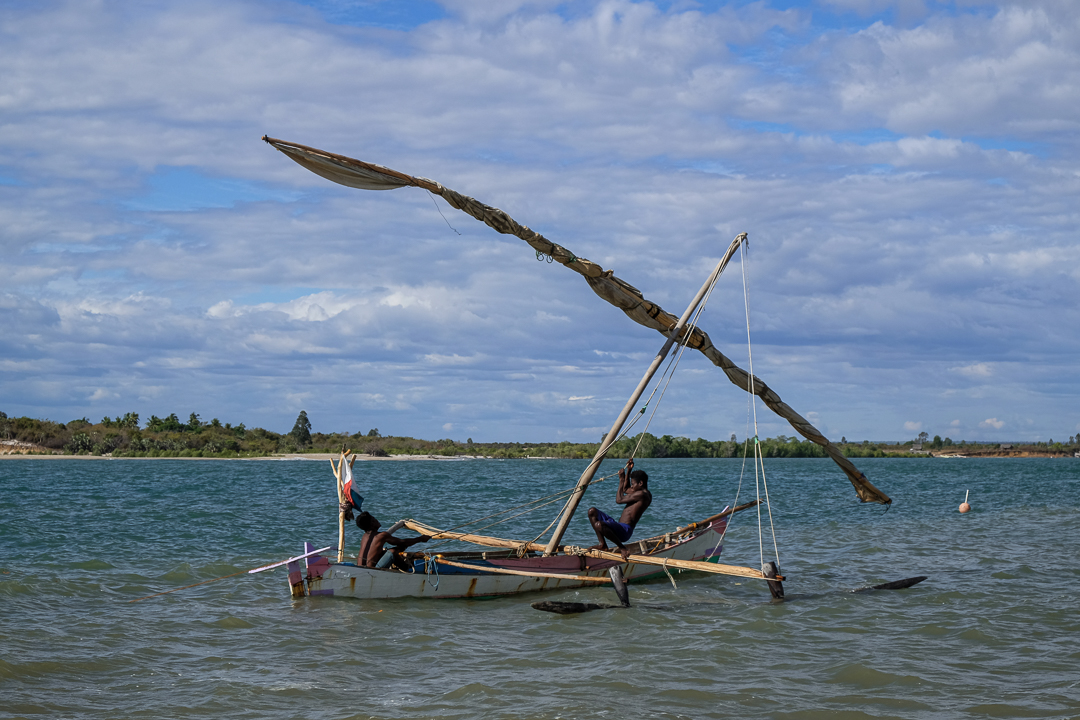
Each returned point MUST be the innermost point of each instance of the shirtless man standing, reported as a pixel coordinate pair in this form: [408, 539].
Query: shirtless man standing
[634, 493]
[371, 545]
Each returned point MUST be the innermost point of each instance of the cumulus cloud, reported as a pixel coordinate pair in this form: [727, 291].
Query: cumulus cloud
[907, 179]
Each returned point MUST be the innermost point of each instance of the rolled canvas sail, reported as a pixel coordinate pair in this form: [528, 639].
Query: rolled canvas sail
[368, 176]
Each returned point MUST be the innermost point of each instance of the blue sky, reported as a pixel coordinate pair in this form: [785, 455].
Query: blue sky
[906, 171]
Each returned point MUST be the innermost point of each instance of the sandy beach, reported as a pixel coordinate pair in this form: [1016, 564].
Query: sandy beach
[39, 453]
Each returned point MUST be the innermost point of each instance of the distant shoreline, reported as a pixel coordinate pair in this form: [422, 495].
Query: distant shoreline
[287, 457]
[282, 457]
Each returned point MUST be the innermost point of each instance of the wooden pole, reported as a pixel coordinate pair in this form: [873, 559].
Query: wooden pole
[698, 565]
[507, 571]
[341, 501]
[613, 434]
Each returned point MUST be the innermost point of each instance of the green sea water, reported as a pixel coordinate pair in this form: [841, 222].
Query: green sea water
[993, 633]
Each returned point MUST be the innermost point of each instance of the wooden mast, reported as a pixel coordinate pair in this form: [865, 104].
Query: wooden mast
[613, 434]
[338, 469]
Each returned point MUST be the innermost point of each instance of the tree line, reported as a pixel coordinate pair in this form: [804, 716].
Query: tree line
[169, 436]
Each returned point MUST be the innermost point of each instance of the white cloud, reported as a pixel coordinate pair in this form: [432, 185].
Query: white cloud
[978, 370]
[102, 394]
[992, 423]
[909, 191]
[542, 316]
[436, 359]
[911, 426]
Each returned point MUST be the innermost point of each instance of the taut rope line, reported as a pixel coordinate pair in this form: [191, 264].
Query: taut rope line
[759, 464]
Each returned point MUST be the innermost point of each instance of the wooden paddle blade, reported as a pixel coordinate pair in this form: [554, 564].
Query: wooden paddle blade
[569, 608]
[620, 585]
[900, 584]
[895, 584]
[776, 588]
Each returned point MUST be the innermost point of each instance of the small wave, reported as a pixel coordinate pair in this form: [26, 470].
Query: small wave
[866, 677]
[232, 623]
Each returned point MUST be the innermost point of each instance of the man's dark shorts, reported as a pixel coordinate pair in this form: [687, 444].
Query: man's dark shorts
[620, 531]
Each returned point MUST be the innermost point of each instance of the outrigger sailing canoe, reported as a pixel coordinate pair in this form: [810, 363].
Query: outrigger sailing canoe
[506, 567]
[502, 568]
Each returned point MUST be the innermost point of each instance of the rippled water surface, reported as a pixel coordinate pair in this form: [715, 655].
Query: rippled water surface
[993, 632]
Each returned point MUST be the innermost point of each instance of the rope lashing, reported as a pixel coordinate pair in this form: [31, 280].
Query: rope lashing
[346, 509]
[541, 256]
[664, 566]
[441, 213]
[431, 567]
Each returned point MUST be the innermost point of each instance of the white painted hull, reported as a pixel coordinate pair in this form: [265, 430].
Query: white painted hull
[441, 581]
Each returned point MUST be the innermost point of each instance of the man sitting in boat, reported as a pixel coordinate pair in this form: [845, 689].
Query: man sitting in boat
[633, 492]
[372, 553]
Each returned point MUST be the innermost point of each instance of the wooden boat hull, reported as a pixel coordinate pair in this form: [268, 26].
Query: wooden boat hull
[437, 580]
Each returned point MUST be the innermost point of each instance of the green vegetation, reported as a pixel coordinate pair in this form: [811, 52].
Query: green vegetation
[169, 437]
[301, 432]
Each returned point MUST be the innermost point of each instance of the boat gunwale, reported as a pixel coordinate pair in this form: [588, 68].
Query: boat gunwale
[663, 542]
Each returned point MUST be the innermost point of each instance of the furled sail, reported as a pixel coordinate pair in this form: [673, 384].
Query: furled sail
[369, 176]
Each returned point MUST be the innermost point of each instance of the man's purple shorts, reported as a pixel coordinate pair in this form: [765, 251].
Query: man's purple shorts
[621, 531]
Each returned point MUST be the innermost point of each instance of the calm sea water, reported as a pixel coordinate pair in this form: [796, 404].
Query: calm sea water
[993, 633]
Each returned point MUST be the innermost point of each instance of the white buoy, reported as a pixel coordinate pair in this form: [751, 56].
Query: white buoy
[964, 507]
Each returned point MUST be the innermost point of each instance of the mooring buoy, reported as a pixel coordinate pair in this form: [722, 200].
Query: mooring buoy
[964, 507]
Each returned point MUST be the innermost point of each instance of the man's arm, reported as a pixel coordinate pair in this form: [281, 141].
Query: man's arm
[624, 482]
[630, 496]
[400, 544]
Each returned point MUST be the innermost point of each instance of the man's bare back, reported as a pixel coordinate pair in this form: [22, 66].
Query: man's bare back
[371, 545]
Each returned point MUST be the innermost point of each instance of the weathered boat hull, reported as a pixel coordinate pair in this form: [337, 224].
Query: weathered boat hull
[436, 580]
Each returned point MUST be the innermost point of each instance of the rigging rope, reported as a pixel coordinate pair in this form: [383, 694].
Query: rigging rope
[673, 364]
[538, 503]
[759, 465]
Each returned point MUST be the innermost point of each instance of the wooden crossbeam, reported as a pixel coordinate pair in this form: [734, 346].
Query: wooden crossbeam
[526, 573]
[697, 565]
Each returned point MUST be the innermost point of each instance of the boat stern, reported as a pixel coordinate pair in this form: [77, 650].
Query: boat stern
[302, 579]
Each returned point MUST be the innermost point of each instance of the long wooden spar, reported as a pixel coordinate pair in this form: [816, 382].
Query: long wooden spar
[369, 176]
